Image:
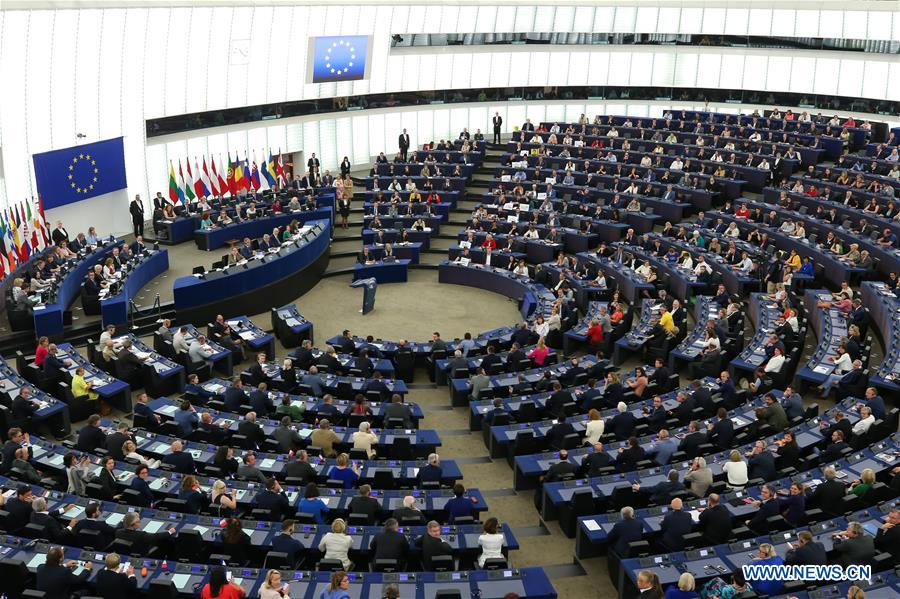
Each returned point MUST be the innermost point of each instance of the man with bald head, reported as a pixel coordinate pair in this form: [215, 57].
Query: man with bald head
[180, 460]
[675, 525]
[715, 521]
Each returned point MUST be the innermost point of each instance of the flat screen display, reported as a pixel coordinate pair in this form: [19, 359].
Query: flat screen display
[339, 57]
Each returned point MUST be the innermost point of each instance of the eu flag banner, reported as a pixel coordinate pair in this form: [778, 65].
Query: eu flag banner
[339, 58]
[80, 172]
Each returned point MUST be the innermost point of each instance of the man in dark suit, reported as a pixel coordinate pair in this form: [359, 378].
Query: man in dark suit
[888, 537]
[409, 511]
[557, 434]
[675, 525]
[497, 122]
[528, 125]
[235, 396]
[660, 492]
[491, 358]
[766, 507]
[692, 441]
[514, 357]
[249, 428]
[721, 432]
[302, 356]
[55, 578]
[805, 552]
[138, 246]
[363, 364]
[852, 379]
[403, 143]
[656, 417]
[398, 410]
[330, 361]
[16, 439]
[273, 498]
[829, 495]
[258, 370]
[112, 584]
[136, 208]
[715, 521]
[114, 441]
[364, 503]
[91, 436]
[835, 449]
[390, 544]
[180, 460]
[377, 384]
[556, 403]
[684, 411]
[726, 388]
[432, 471]
[625, 531]
[142, 541]
[594, 462]
[458, 363]
[53, 530]
[561, 468]
[151, 420]
[761, 463]
[284, 542]
[288, 439]
[433, 545]
[52, 364]
[623, 423]
[93, 521]
[300, 469]
[23, 408]
[91, 285]
[661, 376]
[128, 361]
[259, 400]
[853, 546]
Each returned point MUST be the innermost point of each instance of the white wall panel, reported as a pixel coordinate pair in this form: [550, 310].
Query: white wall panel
[625, 19]
[565, 17]
[504, 71]
[599, 71]
[755, 67]
[63, 73]
[646, 19]
[668, 16]
[555, 113]
[525, 18]
[425, 125]
[578, 68]
[714, 21]
[831, 23]
[197, 60]
[258, 71]
[708, 70]
[603, 18]
[779, 69]
[487, 20]
[880, 26]
[686, 70]
[807, 23]
[826, 84]
[732, 71]
[875, 80]
[803, 73]
[37, 88]
[558, 71]
[87, 77]
[856, 25]
[783, 22]
[619, 68]
[506, 18]
[354, 144]
[217, 64]
[663, 68]
[175, 67]
[736, 21]
[584, 19]
[760, 22]
[442, 123]
[850, 78]
[480, 118]
[691, 20]
[641, 69]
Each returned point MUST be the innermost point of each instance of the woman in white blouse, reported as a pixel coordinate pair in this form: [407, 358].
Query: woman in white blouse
[735, 470]
[129, 450]
[541, 327]
[842, 365]
[337, 543]
[491, 541]
[775, 362]
[594, 428]
[364, 438]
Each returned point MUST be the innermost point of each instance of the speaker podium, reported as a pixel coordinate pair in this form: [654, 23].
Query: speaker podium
[368, 286]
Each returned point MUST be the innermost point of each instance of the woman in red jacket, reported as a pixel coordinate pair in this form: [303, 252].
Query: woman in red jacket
[595, 334]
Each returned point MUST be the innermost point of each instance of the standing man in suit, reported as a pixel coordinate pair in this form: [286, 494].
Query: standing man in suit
[312, 165]
[137, 215]
[715, 521]
[403, 142]
[498, 123]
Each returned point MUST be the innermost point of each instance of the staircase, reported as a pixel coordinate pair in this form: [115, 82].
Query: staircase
[345, 244]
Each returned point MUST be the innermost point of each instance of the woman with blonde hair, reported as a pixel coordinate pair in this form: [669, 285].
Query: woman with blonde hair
[684, 588]
[735, 470]
[273, 587]
[223, 499]
[129, 450]
[863, 485]
[337, 543]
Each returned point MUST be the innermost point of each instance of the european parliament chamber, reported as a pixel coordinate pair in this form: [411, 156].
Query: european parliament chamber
[450, 300]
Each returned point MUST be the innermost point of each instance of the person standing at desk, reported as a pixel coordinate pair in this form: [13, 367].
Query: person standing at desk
[136, 208]
[403, 143]
[497, 123]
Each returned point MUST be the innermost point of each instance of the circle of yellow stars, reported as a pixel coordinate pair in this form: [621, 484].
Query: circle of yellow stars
[93, 173]
[334, 45]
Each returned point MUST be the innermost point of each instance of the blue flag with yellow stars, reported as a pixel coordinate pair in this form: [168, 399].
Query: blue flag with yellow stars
[80, 172]
[339, 58]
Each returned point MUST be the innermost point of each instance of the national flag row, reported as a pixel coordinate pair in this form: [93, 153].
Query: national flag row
[227, 178]
[23, 232]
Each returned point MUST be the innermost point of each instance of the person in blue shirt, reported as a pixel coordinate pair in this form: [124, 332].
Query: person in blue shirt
[432, 472]
[792, 504]
[663, 449]
[286, 543]
[875, 403]
[311, 504]
[187, 419]
[767, 556]
[806, 268]
[459, 506]
[683, 589]
[139, 483]
[466, 345]
[344, 472]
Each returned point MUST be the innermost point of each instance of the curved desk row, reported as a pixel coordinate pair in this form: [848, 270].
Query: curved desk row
[49, 319]
[763, 313]
[854, 215]
[831, 329]
[533, 299]
[210, 239]
[705, 309]
[884, 309]
[279, 277]
[114, 309]
[456, 183]
[736, 282]
[184, 579]
[628, 283]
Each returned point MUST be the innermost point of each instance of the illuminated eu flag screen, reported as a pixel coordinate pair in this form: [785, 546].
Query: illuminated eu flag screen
[339, 58]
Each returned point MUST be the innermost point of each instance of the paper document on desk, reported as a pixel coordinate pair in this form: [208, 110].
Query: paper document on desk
[591, 525]
[695, 515]
[246, 335]
[142, 355]
[822, 369]
[292, 322]
[214, 388]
